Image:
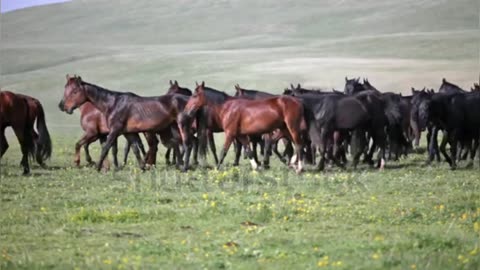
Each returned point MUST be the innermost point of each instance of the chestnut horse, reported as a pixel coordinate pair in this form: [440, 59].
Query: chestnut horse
[15, 113]
[126, 113]
[241, 118]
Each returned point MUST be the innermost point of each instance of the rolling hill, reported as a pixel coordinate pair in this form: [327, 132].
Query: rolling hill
[140, 45]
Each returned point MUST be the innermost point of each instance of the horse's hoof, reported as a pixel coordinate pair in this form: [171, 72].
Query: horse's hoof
[469, 165]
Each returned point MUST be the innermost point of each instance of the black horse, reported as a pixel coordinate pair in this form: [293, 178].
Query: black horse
[450, 88]
[457, 116]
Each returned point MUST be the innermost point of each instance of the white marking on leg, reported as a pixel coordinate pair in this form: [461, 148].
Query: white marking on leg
[382, 164]
[293, 159]
[300, 167]
[254, 164]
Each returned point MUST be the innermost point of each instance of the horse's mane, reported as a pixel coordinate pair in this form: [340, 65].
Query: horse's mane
[102, 93]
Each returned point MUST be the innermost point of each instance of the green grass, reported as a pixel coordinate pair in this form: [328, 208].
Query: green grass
[408, 216]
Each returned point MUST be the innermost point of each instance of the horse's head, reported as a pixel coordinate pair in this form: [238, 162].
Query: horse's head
[173, 87]
[352, 86]
[74, 95]
[176, 89]
[197, 100]
[238, 91]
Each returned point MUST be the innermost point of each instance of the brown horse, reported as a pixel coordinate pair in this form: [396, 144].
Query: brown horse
[15, 113]
[241, 118]
[126, 113]
[95, 128]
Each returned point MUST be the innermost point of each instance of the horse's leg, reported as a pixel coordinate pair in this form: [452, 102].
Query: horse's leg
[473, 149]
[167, 156]
[245, 141]
[266, 148]
[338, 151]
[23, 141]
[132, 139]
[228, 141]
[288, 152]
[115, 153]
[453, 141]
[293, 126]
[254, 150]
[213, 148]
[112, 136]
[322, 148]
[126, 150]
[151, 156]
[3, 142]
[466, 149]
[443, 146]
[379, 140]
[358, 144]
[85, 140]
[88, 157]
[238, 152]
[432, 134]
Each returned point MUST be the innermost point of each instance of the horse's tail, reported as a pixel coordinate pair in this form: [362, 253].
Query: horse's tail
[44, 142]
[201, 118]
[28, 132]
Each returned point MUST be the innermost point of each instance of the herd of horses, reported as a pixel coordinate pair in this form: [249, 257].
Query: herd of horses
[311, 124]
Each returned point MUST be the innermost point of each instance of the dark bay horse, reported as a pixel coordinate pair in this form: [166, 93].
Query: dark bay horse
[43, 142]
[15, 113]
[241, 118]
[94, 125]
[126, 113]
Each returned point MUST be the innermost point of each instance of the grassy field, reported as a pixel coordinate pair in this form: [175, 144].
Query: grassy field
[406, 217]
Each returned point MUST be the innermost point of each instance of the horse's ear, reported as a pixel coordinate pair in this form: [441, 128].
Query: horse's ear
[196, 83]
[443, 80]
[358, 79]
[67, 77]
[176, 83]
[203, 84]
[79, 79]
[237, 87]
[413, 90]
[298, 86]
[346, 79]
[291, 86]
[171, 83]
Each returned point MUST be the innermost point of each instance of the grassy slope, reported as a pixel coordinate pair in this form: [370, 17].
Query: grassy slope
[141, 45]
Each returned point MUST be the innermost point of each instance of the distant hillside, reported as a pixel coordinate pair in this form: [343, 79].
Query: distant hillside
[140, 45]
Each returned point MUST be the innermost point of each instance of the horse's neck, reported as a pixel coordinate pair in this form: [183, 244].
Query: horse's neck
[100, 98]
